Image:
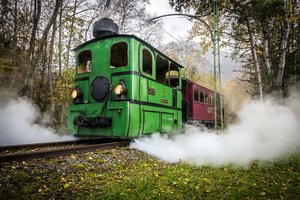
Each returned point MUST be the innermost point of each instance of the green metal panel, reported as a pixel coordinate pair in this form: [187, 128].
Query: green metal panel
[179, 99]
[85, 86]
[134, 121]
[158, 119]
[135, 87]
[151, 121]
[159, 93]
[143, 88]
[167, 121]
[120, 116]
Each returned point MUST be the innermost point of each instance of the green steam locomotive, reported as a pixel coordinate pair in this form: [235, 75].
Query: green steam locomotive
[124, 87]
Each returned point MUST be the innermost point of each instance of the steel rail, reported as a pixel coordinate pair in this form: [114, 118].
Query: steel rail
[57, 143]
[60, 152]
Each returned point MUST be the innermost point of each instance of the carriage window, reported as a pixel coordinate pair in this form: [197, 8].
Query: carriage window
[147, 62]
[210, 101]
[206, 98]
[162, 67]
[119, 55]
[196, 95]
[84, 62]
[201, 97]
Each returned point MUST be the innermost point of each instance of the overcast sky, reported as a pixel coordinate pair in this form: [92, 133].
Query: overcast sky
[176, 27]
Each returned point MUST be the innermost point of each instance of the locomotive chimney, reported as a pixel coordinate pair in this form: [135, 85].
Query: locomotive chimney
[104, 27]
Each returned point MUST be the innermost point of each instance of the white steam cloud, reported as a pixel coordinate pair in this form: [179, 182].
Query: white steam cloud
[17, 124]
[264, 131]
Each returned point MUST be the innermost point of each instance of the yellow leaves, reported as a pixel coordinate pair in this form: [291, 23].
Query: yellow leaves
[66, 186]
[262, 193]
[99, 160]
[294, 18]
[80, 166]
[205, 180]
[207, 190]
[290, 169]
[174, 56]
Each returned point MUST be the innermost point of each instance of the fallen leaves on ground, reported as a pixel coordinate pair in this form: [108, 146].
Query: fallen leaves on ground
[125, 173]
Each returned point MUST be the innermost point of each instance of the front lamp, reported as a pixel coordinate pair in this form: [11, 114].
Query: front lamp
[120, 88]
[76, 95]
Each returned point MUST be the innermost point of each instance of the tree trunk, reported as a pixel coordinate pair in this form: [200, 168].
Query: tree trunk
[283, 47]
[71, 34]
[59, 41]
[25, 88]
[254, 55]
[50, 59]
[266, 55]
[35, 58]
[15, 34]
[50, 75]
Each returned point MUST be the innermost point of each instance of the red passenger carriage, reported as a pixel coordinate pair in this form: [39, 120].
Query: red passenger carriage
[198, 104]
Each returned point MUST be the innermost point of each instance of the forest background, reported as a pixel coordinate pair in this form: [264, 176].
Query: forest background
[37, 37]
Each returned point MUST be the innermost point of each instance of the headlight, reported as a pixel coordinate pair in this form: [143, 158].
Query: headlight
[120, 88]
[74, 94]
[77, 95]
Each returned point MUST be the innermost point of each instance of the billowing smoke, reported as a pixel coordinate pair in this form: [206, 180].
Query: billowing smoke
[264, 131]
[18, 124]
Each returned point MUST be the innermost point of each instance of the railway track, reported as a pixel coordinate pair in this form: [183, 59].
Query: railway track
[24, 152]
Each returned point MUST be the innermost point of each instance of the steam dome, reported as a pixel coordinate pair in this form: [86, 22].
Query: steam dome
[104, 27]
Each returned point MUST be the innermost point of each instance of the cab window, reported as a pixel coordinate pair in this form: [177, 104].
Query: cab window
[174, 70]
[147, 62]
[162, 67]
[84, 62]
[173, 73]
[119, 55]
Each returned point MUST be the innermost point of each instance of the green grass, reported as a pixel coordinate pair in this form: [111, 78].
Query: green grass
[128, 174]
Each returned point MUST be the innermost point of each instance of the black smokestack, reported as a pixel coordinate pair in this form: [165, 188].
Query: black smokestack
[105, 27]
